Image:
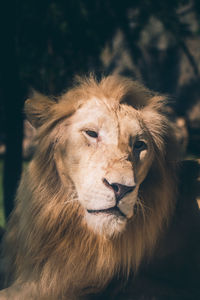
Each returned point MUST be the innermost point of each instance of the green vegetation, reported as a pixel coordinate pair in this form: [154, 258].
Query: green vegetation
[2, 219]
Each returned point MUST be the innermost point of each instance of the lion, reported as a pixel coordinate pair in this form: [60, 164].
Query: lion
[99, 194]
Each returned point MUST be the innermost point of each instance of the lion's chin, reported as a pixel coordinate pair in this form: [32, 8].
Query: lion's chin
[106, 224]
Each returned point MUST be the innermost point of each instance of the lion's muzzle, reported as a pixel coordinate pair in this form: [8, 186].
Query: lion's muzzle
[120, 190]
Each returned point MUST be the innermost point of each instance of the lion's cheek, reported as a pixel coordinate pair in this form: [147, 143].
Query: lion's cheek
[127, 204]
[143, 165]
[143, 155]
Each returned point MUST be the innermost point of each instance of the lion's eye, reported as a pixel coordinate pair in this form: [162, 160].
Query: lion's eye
[140, 145]
[92, 134]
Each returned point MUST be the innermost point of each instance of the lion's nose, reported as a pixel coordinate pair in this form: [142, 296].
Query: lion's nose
[120, 190]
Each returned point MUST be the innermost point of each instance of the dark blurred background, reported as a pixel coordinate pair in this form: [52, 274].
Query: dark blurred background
[44, 43]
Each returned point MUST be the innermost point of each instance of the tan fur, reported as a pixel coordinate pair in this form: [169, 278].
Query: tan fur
[48, 244]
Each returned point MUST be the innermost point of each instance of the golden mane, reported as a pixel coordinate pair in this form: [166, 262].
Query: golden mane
[46, 243]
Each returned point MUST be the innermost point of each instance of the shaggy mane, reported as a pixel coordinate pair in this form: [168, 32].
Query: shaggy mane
[46, 242]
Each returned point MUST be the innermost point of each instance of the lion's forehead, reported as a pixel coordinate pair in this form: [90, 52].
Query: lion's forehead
[111, 122]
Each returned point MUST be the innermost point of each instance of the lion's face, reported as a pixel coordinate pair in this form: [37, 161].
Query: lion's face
[106, 153]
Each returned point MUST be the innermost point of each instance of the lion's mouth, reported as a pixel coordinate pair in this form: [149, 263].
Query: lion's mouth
[112, 210]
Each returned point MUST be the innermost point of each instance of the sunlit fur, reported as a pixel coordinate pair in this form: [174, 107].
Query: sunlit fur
[47, 244]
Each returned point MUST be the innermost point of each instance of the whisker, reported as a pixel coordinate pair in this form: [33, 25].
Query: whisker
[144, 205]
[70, 201]
[142, 208]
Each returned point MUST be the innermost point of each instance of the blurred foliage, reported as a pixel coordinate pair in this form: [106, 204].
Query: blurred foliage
[56, 39]
[2, 219]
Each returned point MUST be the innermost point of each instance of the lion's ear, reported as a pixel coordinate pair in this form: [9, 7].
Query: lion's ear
[157, 103]
[38, 109]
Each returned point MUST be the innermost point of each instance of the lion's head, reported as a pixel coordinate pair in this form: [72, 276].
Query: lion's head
[101, 185]
[105, 150]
